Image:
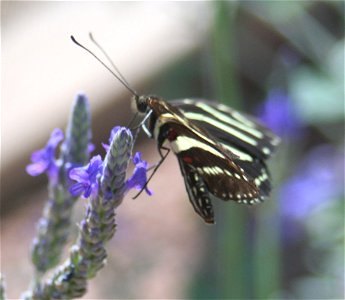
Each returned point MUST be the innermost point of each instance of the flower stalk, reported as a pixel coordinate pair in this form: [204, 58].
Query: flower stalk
[53, 227]
[102, 183]
[88, 254]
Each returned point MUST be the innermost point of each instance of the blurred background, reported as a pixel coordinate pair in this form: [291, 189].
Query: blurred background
[281, 61]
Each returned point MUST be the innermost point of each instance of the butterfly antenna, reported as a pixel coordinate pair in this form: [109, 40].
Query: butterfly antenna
[118, 77]
[108, 58]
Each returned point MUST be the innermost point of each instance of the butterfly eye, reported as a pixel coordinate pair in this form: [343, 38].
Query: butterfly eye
[141, 103]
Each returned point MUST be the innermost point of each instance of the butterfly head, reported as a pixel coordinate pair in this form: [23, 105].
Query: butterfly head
[141, 103]
[145, 103]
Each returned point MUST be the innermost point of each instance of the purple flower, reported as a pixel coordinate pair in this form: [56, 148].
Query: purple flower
[279, 114]
[138, 179]
[112, 134]
[318, 182]
[43, 160]
[87, 178]
[90, 147]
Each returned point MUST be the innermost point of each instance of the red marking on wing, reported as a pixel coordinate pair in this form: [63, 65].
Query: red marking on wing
[172, 135]
[187, 159]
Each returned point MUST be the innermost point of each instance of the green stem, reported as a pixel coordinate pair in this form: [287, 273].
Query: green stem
[2, 288]
[224, 53]
[235, 269]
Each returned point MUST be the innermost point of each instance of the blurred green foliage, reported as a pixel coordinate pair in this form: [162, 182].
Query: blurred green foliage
[268, 252]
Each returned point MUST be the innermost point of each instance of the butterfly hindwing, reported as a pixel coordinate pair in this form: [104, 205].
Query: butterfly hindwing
[223, 178]
[197, 191]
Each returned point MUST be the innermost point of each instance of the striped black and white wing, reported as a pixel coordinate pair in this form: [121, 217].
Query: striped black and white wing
[238, 133]
[198, 193]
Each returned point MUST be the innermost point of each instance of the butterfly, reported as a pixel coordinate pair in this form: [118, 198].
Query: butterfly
[221, 152]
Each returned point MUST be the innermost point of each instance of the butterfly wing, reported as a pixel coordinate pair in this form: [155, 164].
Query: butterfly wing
[220, 151]
[239, 133]
[197, 191]
[207, 173]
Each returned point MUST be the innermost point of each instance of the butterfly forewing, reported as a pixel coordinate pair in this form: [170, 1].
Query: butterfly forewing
[239, 133]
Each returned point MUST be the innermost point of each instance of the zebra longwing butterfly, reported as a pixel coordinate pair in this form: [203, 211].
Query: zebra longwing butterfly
[221, 152]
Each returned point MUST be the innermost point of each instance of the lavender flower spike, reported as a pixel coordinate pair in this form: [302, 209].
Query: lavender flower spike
[53, 227]
[115, 165]
[77, 146]
[88, 255]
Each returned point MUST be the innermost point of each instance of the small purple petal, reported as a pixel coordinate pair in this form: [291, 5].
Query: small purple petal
[56, 137]
[88, 191]
[36, 168]
[87, 178]
[112, 134]
[37, 155]
[79, 174]
[139, 178]
[77, 189]
[43, 160]
[137, 158]
[106, 147]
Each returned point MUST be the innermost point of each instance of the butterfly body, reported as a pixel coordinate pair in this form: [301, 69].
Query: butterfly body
[209, 166]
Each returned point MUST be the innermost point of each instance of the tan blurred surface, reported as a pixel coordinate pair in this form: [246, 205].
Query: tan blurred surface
[41, 72]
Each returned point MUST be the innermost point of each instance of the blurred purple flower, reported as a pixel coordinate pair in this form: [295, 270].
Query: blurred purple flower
[112, 134]
[279, 114]
[90, 148]
[318, 181]
[43, 160]
[87, 178]
[139, 178]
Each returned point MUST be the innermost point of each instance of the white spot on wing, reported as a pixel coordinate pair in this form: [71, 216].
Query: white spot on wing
[266, 151]
[237, 176]
[183, 143]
